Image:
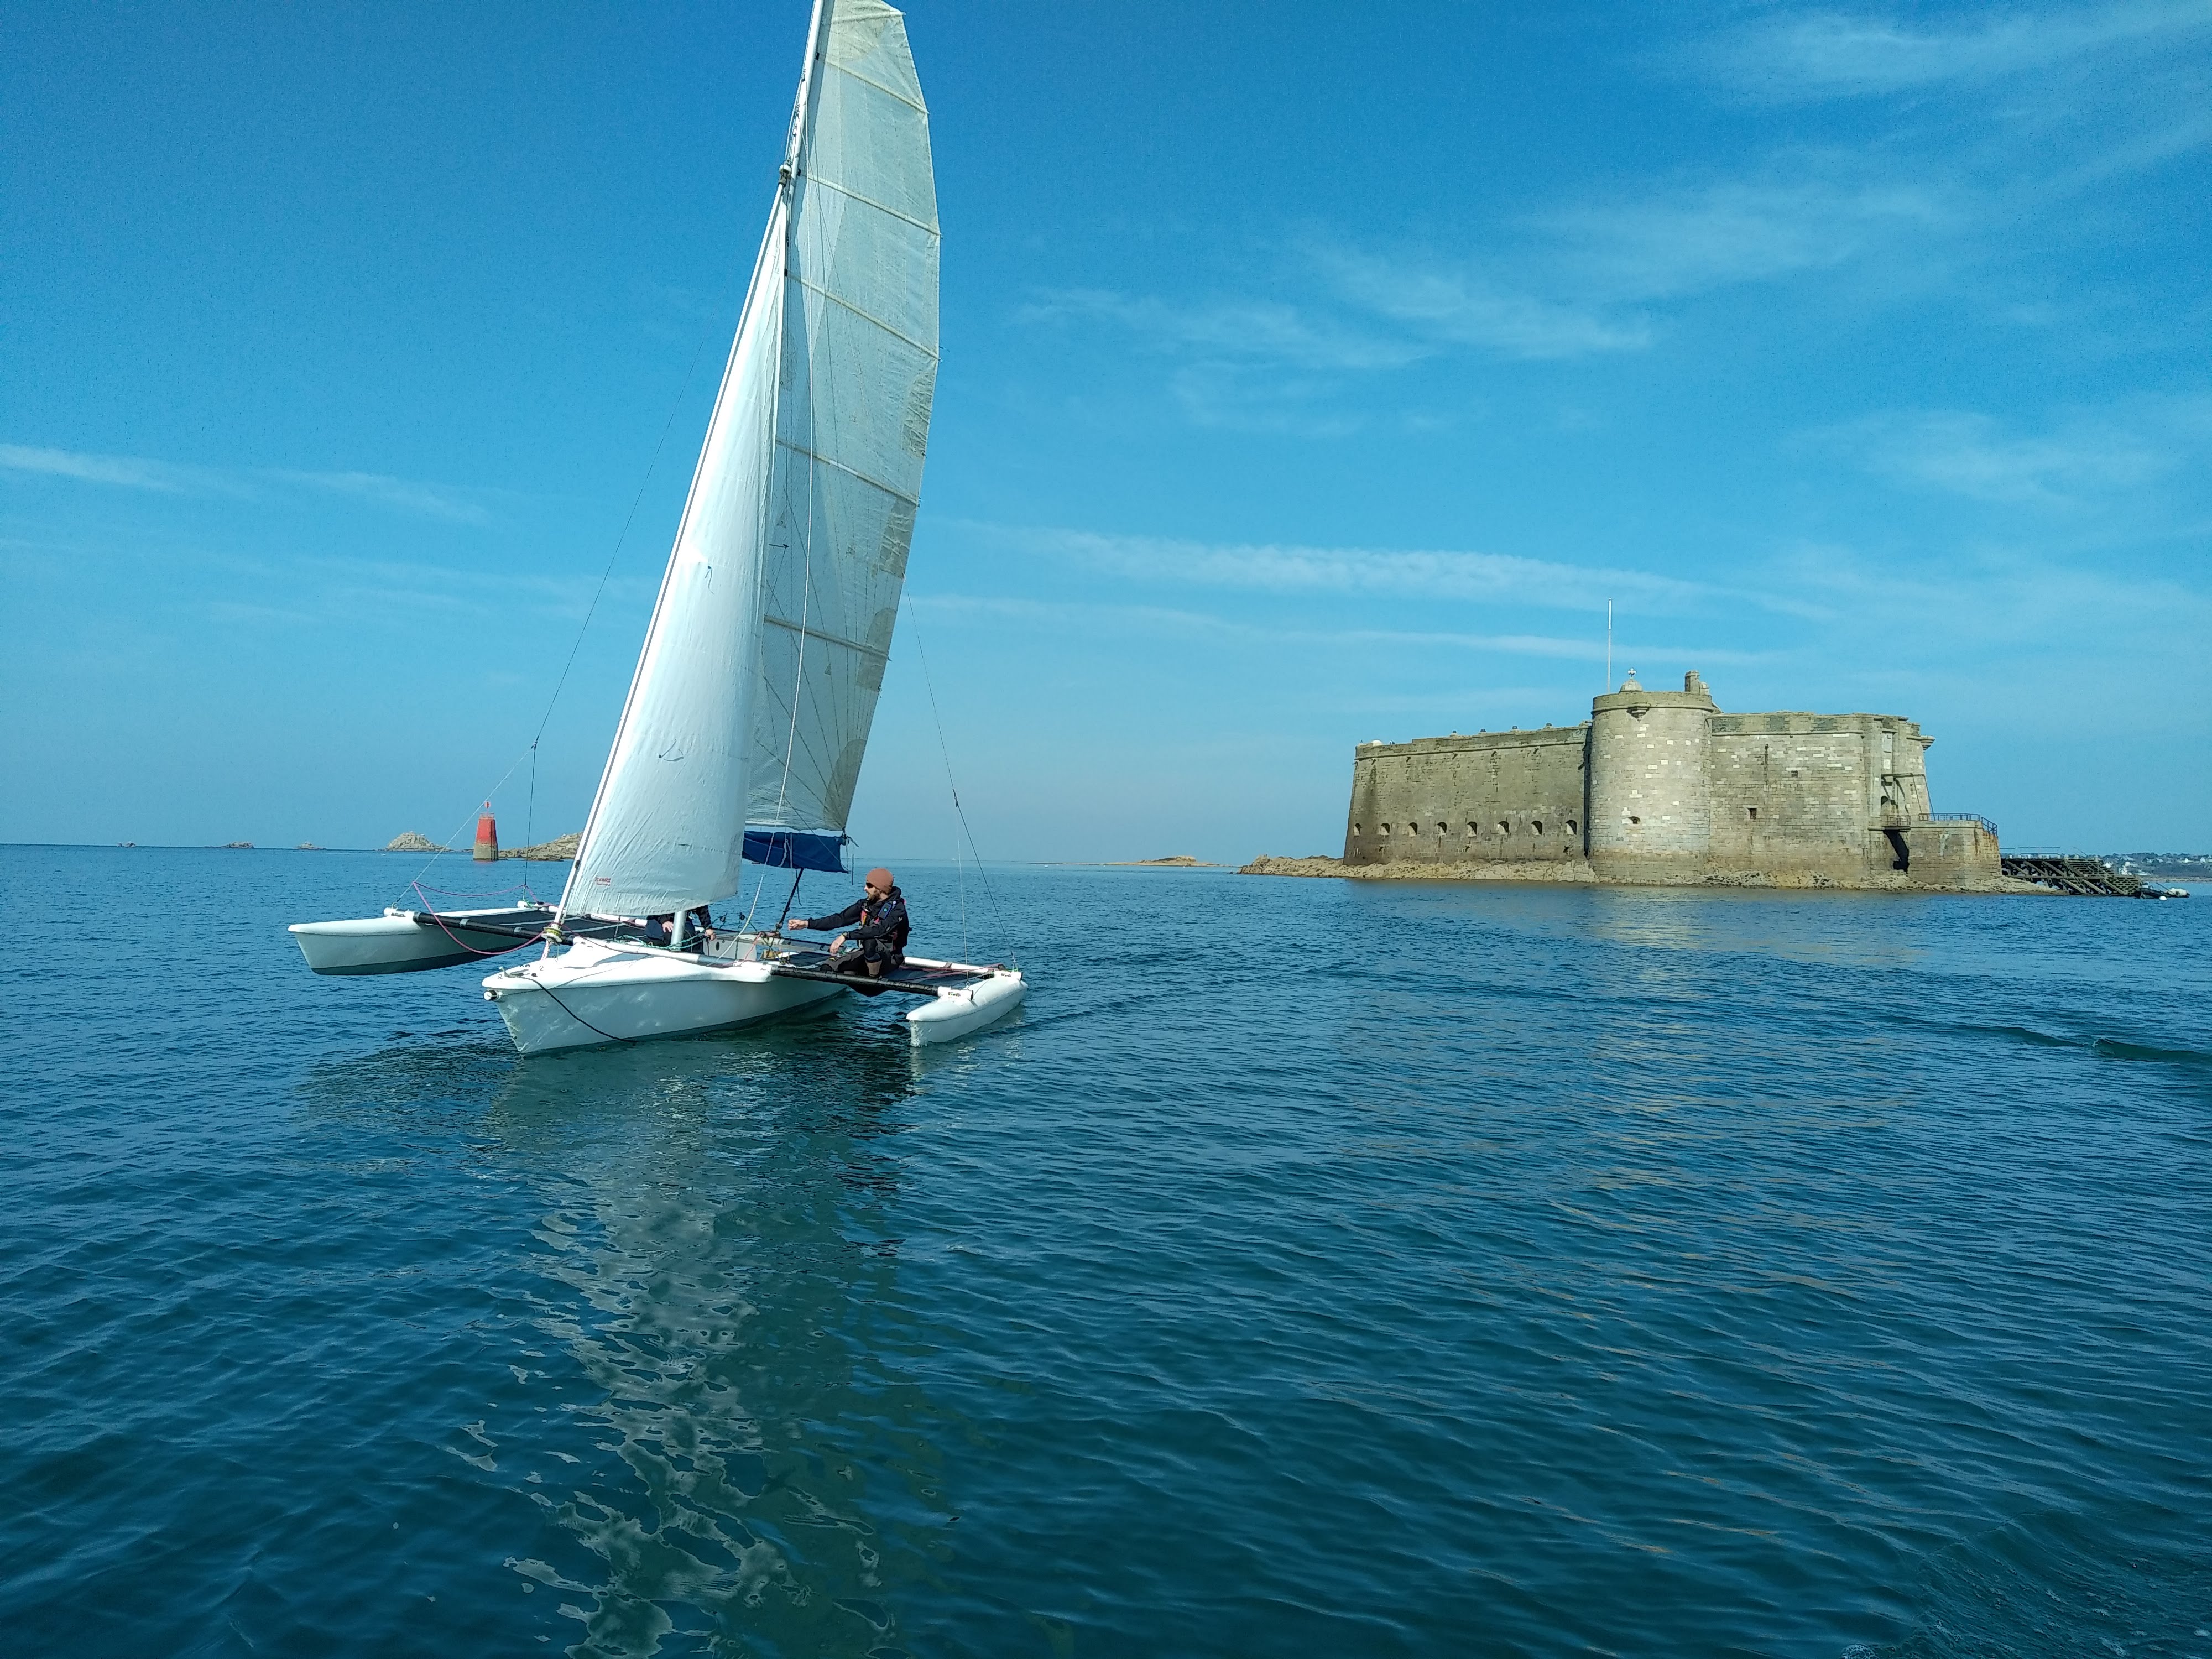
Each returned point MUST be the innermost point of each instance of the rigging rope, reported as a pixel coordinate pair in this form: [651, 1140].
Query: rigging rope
[627, 1042]
[997, 916]
[530, 817]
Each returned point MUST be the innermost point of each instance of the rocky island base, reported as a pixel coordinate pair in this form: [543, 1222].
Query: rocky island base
[1577, 873]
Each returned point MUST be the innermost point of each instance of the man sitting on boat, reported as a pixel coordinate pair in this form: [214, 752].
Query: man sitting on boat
[878, 924]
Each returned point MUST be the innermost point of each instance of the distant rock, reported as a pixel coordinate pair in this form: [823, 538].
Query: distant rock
[1273, 863]
[1174, 861]
[412, 841]
[546, 852]
[235, 847]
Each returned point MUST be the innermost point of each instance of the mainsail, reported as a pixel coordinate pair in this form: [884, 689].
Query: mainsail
[859, 354]
[758, 681]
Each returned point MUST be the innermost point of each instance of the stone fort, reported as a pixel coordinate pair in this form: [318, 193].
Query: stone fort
[1662, 787]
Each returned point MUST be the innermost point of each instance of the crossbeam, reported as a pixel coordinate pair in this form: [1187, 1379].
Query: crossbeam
[858, 982]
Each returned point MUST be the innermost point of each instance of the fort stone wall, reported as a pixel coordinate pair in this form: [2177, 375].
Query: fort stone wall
[1496, 796]
[1815, 794]
[1662, 786]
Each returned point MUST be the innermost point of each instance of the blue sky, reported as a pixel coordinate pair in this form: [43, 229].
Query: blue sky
[1311, 374]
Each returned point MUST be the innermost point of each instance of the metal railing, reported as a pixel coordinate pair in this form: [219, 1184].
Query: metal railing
[1989, 824]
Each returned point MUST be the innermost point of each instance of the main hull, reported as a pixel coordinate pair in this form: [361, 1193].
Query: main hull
[593, 994]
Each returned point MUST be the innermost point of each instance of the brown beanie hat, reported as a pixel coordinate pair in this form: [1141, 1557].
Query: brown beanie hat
[880, 877]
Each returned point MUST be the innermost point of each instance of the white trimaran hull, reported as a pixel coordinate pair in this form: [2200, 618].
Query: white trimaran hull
[595, 993]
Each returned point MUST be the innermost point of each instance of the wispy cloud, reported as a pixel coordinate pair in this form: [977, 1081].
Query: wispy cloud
[1274, 330]
[1928, 614]
[1307, 570]
[1673, 243]
[1468, 306]
[1169, 622]
[344, 590]
[1246, 364]
[1828, 54]
[1294, 570]
[1584, 279]
[1372, 311]
[1933, 202]
[123, 471]
[2082, 455]
[401, 495]
[168, 478]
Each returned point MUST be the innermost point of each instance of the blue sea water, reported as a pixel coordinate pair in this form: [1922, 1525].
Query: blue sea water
[1313, 1267]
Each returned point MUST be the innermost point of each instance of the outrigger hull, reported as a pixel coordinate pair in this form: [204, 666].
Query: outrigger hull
[954, 1013]
[410, 941]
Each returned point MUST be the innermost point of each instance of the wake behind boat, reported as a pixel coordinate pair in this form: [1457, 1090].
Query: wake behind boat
[748, 716]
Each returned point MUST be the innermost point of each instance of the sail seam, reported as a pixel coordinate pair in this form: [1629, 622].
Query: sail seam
[930, 351]
[851, 194]
[888, 92]
[827, 639]
[850, 472]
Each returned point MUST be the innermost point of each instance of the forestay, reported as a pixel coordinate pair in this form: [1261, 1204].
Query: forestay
[667, 828]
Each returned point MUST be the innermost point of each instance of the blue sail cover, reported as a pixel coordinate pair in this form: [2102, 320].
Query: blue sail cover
[796, 849]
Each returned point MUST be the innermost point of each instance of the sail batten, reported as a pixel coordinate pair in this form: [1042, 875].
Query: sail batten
[847, 190]
[805, 453]
[839, 300]
[826, 639]
[802, 505]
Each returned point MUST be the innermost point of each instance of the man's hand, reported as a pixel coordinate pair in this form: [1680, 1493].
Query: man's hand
[798, 924]
[838, 943]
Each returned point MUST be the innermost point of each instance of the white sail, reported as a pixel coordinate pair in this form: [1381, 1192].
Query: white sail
[667, 828]
[860, 369]
[767, 646]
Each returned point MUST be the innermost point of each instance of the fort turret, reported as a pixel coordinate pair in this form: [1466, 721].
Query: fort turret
[1650, 791]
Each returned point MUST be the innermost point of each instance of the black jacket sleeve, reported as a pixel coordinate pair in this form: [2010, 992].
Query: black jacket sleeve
[844, 918]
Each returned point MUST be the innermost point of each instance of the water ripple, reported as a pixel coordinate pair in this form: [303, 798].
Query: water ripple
[1379, 1269]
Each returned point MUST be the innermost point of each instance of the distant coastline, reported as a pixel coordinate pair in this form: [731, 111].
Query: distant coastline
[558, 850]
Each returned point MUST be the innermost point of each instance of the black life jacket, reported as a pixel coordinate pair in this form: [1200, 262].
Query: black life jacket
[892, 906]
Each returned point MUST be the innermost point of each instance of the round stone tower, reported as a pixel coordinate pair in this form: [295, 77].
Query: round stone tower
[1650, 795]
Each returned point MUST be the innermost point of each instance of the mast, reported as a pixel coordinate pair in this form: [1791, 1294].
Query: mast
[799, 105]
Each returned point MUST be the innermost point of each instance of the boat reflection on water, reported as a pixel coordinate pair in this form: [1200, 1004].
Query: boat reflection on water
[749, 1460]
[696, 1416]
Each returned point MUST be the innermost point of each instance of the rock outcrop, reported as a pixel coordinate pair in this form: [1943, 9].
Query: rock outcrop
[547, 851]
[559, 848]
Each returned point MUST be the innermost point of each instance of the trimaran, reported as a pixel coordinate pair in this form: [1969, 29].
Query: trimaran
[749, 714]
